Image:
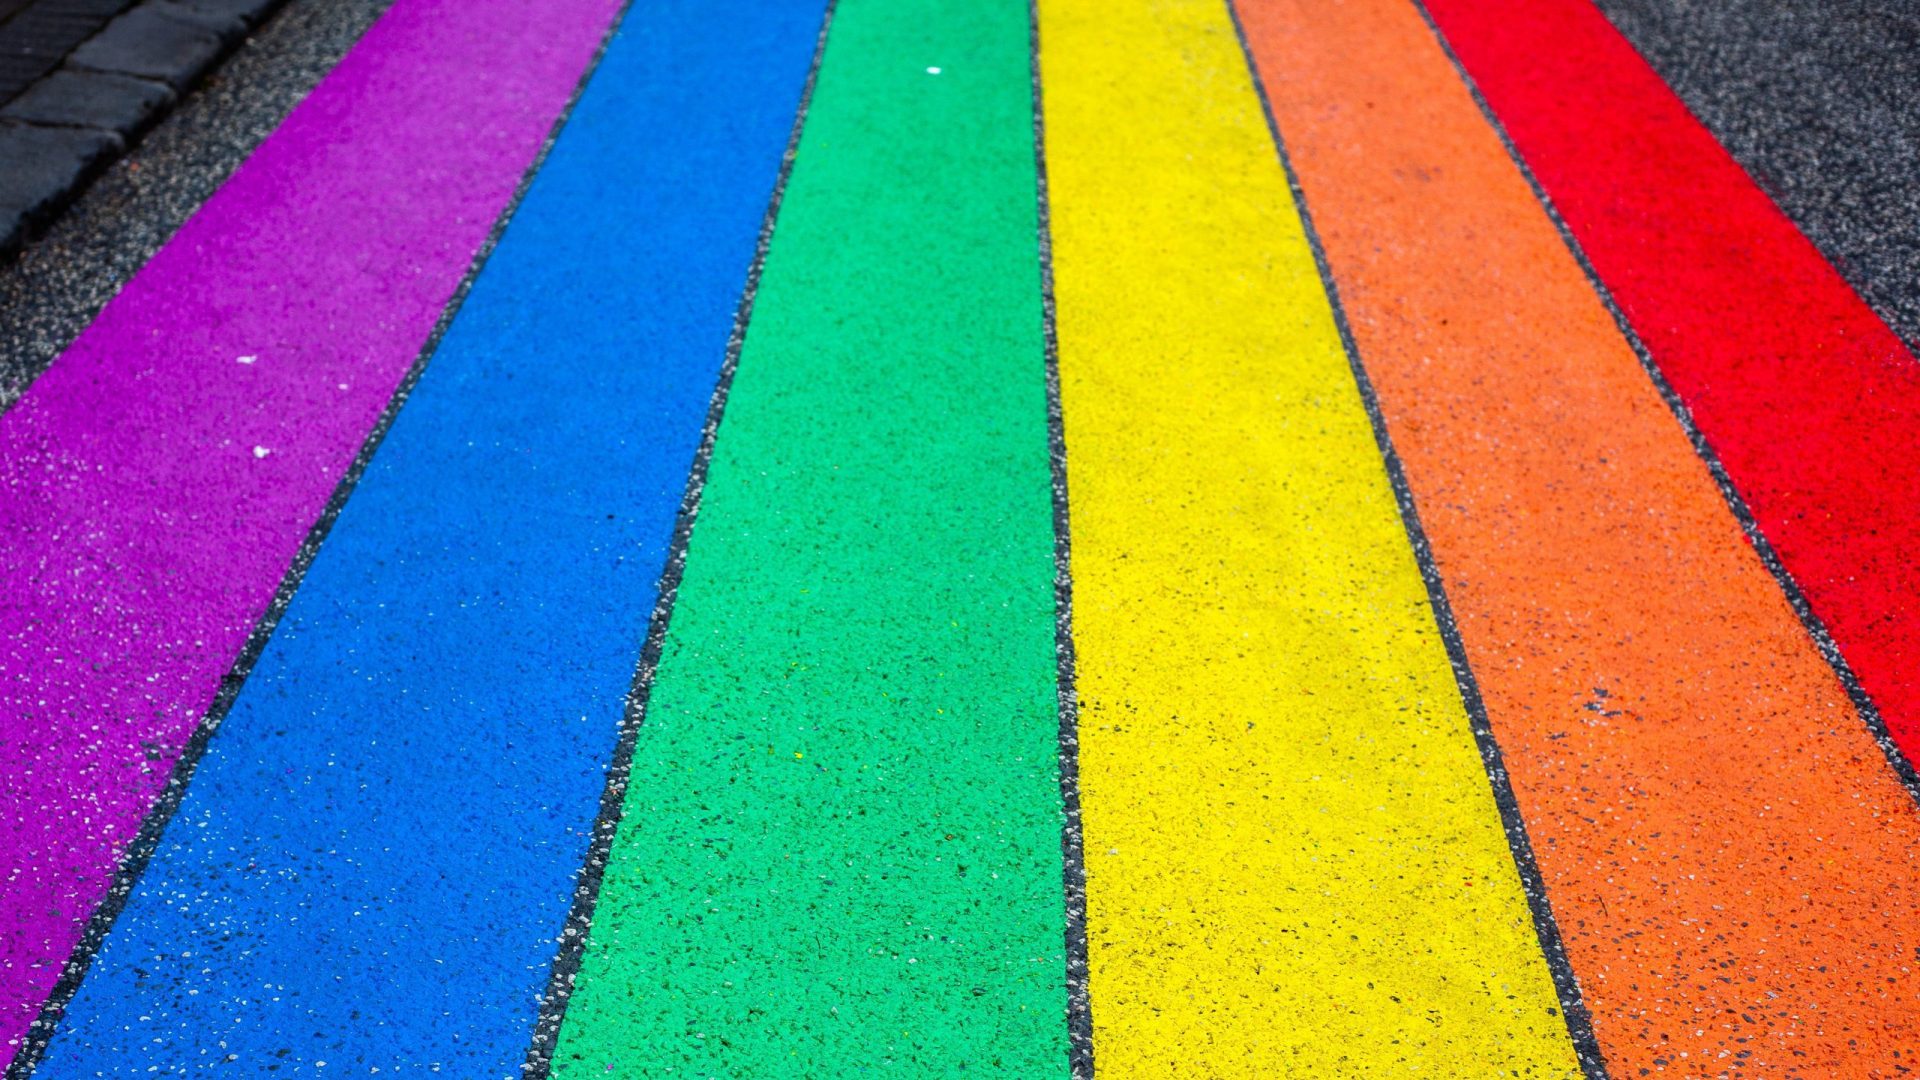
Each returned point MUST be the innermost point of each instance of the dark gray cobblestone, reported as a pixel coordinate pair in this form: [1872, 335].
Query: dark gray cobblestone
[250, 12]
[117, 103]
[42, 164]
[152, 42]
[38, 34]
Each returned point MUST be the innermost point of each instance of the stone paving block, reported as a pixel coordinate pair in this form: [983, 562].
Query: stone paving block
[99, 9]
[44, 168]
[13, 229]
[229, 26]
[36, 40]
[151, 44]
[117, 103]
[251, 12]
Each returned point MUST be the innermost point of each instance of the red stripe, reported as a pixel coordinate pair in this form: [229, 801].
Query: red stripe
[1809, 400]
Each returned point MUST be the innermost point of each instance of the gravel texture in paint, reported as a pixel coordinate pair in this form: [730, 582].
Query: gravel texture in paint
[1805, 399]
[1820, 100]
[1729, 857]
[129, 474]
[1295, 864]
[63, 279]
[406, 784]
[841, 853]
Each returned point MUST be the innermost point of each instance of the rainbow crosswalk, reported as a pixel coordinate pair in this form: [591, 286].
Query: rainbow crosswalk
[1162, 538]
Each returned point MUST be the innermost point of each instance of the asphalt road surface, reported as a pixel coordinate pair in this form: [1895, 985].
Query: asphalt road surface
[830, 538]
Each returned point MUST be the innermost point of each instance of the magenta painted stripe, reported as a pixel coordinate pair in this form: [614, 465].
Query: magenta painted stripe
[158, 479]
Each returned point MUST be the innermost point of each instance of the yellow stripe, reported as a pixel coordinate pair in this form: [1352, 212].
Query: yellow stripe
[1294, 858]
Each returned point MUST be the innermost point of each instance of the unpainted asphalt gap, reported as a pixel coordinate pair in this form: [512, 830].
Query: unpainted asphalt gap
[1073, 848]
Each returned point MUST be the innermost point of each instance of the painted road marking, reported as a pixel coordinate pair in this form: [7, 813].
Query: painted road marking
[1295, 862]
[1809, 401]
[841, 845]
[140, 539]
[1729, 857]
[405, 786]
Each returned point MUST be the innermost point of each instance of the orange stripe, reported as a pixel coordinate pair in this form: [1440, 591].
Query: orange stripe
[1730, 858]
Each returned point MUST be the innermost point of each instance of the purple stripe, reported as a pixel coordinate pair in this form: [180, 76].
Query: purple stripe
[154, 488]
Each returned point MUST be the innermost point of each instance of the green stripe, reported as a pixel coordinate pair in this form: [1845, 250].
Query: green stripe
[840, 853]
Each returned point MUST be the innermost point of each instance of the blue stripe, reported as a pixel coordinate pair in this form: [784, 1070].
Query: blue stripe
[379, 848]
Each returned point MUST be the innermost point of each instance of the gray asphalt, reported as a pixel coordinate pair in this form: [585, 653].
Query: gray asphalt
[60, 283]
[1820, 101]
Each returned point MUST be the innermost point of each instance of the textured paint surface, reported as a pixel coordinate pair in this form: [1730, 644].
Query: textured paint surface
[406, 783]
[154, 488]
[1294, 861]
[1807, 398]
[1728, 855]
[840, 854]
[1816, 98]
